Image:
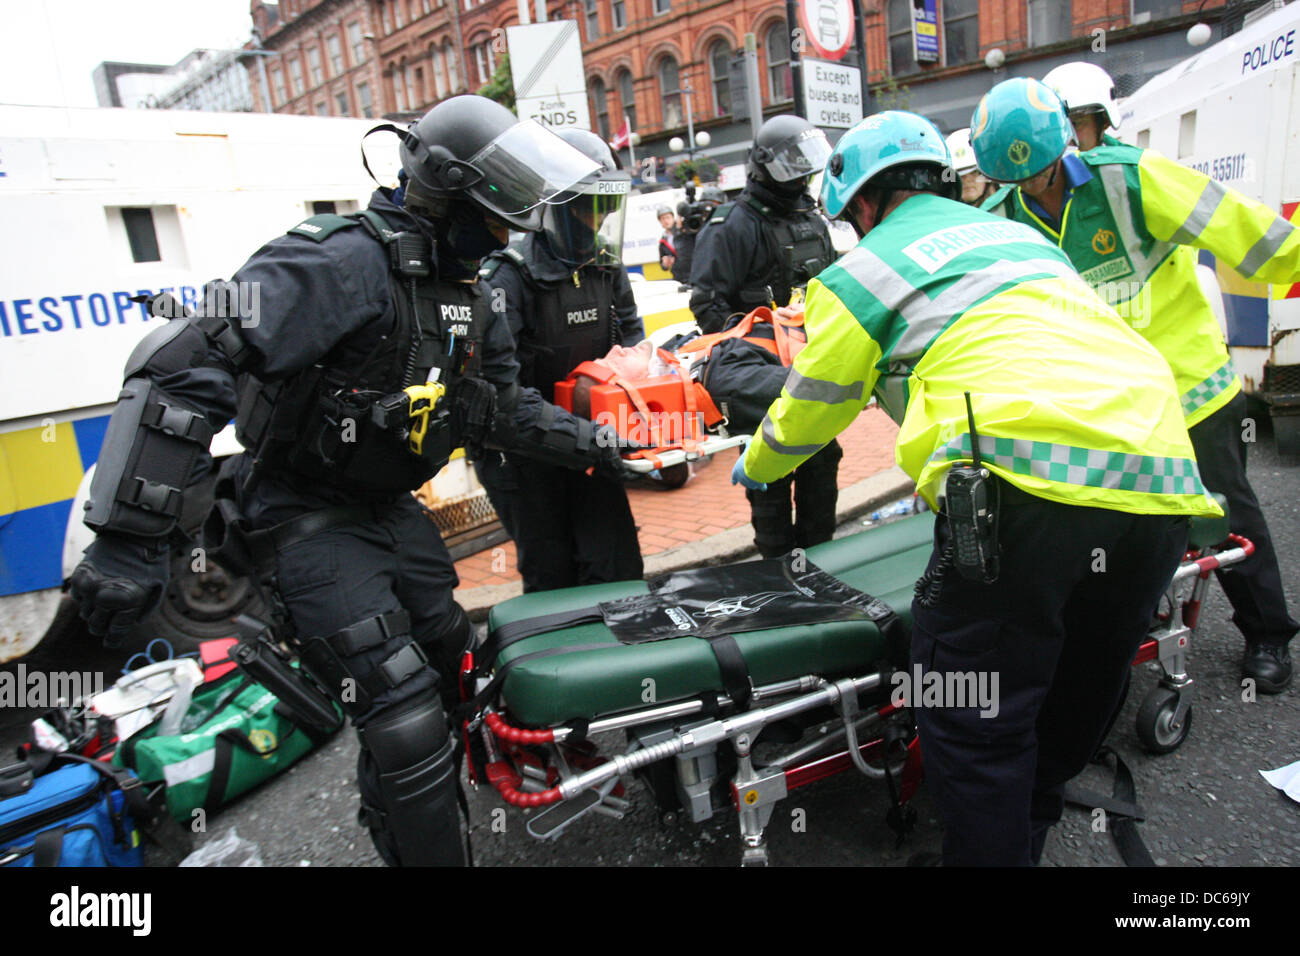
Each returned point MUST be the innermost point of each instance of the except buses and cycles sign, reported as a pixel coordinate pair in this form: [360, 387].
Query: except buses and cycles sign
[832, 94]
[827, 26]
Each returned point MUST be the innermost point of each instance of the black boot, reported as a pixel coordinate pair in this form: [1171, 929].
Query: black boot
[1269, 665]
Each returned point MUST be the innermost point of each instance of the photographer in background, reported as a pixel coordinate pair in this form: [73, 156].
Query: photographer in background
[694, 215]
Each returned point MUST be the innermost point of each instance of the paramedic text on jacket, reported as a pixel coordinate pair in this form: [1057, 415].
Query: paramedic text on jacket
[1129, 219]
[351, 319]
[1079, 426]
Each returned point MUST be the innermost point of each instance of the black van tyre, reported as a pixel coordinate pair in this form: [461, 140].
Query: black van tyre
[198, 605]
[1153, 722]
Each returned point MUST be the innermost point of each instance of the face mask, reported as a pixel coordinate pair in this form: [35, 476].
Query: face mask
[466, 234]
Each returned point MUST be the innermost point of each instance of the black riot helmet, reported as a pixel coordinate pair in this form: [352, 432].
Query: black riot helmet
[584, 223]
[471, 147]
[787, 150]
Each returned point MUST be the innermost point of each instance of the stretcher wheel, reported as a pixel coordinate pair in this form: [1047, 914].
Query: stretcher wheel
[675, 476]
[1155, 719]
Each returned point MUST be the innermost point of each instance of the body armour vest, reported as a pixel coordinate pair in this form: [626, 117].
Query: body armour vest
[567, 322]
[344, 422]
[800, 243]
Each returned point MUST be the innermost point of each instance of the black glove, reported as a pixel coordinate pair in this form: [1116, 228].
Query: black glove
[119, 580]
[608, 448]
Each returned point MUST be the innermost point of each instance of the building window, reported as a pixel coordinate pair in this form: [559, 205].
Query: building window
[483, 60]
[439, 78]
[341, 99]
[357, 44]
[593, 19]
[670, 91]
[618, 11]
[277, 83]
[295, 75]
[961, 31]
[902, 54]
[424, 5]
[599, 106]
[720, 77]
[384, 19]
[322, 109]
[453, 66]
[397, 14]
[627, 96]
[1144, 11]
[780, 88]
[335, 50]
[399, 90]
[141, 235]
[662, 6]
[313, 66]
[1049, 21]
[363, 98]
[418, 93]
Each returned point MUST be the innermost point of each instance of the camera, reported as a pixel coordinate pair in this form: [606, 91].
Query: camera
[694, 214]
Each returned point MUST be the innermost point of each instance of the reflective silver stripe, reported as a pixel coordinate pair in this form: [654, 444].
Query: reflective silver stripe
[1200, 215]
[1116, 186]
[926, 317]
[769, 439]
[1267, 247]
[1088, 467]
[820, 390]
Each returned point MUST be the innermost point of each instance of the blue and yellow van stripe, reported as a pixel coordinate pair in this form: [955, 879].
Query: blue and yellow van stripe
[1246, 303]
[40, 470]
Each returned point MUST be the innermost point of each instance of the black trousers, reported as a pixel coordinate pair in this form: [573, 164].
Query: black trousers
[349, 574]
[1254, 587]
[569, 527]
[816, 490]
[1057, 632]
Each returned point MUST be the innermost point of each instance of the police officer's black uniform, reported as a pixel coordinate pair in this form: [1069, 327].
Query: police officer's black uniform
[755, 251]
[331, 323]
[569, 527]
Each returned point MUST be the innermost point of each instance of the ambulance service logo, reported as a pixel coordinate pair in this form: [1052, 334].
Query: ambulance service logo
[263, 740]
[1103, 243]
[1018, 152]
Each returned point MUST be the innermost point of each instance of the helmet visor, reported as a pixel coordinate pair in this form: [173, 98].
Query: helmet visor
[525, 166]
[588, 227]
[799, 157]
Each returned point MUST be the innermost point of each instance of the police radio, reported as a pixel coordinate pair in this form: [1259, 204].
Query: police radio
[971, 505]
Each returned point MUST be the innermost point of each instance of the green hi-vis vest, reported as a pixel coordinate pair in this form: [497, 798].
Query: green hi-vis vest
[1152, 283]
[941, 298]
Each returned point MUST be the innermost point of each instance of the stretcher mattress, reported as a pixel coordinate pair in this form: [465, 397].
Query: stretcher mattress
[584, 672]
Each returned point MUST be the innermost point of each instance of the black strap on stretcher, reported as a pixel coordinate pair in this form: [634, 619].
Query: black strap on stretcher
[1122, 807]
[731, 662]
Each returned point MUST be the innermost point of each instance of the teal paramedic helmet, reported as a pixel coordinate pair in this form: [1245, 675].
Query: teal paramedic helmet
[1019, 129]
[881, 142]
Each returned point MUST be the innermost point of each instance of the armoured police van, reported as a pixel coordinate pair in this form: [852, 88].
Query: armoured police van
[1232, 111]
[99, 206]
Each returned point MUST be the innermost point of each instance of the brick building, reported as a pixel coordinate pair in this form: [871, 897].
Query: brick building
[645, 59]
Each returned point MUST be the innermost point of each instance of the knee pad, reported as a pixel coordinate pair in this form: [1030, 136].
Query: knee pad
[407, 776]
[362, 666]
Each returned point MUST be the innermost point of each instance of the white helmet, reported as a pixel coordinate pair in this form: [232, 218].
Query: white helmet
[1082, 85]
[963, 155]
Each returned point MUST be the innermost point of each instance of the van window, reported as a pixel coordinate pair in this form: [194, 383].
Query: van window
[141, 235]
[1186, 134]
[339, 207]
[1144, 139]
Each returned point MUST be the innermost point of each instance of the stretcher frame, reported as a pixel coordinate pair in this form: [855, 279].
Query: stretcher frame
[575, 781]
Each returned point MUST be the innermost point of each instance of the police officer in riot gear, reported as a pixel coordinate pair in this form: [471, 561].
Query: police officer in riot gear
[755, 252]
[371, 356]
[566, 297]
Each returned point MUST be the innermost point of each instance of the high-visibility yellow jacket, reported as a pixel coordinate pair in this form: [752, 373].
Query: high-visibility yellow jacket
[940, 299]
[1130, 229]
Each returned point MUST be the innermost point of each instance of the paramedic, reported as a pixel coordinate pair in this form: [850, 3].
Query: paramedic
[349, 312]
[1088, 93]
[975, 186]
[1082, 437]
[756, 251]
[1130, 219]
[566, 298]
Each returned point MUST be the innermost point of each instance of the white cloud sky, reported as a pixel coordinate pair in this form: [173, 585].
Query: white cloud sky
[48, 48]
